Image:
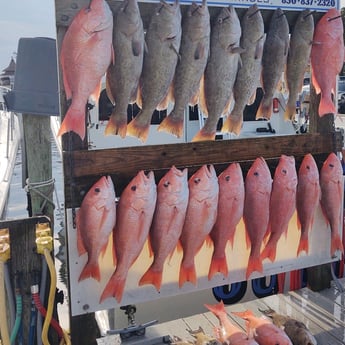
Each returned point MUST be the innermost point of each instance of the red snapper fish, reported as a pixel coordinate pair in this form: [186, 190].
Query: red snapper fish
[200, 218]
[168, 219]
[230, 211]
[327, 58]
[228, 333]
[332, 189]
[95, 221]
[282, 203]
[308, 199]
[263, 330]
[134, 218]
[258, 186]
[86, 53]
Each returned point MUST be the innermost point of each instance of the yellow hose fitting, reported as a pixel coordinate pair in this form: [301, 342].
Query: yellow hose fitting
[5, 252]
[44, 239]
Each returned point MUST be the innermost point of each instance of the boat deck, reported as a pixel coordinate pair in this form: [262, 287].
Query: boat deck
[322, 312]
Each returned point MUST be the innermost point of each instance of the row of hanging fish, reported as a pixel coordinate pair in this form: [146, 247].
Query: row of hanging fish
[187, 213]
[188, 60]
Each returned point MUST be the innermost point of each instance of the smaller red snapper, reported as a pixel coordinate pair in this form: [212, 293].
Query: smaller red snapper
[228, 333]
[332, 189]
[258, 186]
[89, 33]
[168, 219]
[263, 330]
[308, 199]
[200, 218]
[134, 217]
[95, 221]
[230, 211]
[282, 203]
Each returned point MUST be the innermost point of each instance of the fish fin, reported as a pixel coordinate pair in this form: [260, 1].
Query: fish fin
[109, 91]
[90, 270]
[112, 55]
[227, 107]
[194, 99]
[169, 98]
[139, 98]
[303, 245]
[136, 47]
[117, 125]
[187, 274]
[233, 124]
[243, 314]
[136, 129]
[114, 288]
[252, 98]
[265, 109]
[149, 244]
[96, 92]
[218, 265]
[179, 247]
[289, 113]
[231, 239]
[67, 87]
[200, 50]
[104, 249]
[208, 241]
[203, 135]
[326, 105]
[254, 265]
[315, 84]
[248, 241]
[269, 251]
[74, 121]
[152, 277]
[172, 124]
[80, 242]
[202, 97]
[216, 308]
[336, 244]
[114, 254]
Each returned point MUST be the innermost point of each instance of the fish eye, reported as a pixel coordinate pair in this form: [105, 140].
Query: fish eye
[284, 171]
[166, 183]
[227, 178]
[256, 173]
[308, 167]
[133, 188]
[97, 190]
[331, 165]
[197, 180]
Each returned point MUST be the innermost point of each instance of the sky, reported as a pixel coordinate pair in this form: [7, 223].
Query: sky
[24, 18]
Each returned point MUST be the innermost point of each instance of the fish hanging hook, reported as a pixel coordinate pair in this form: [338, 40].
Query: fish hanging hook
[334, 18]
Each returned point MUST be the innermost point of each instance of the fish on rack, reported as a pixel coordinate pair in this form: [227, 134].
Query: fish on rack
[221, 71]
[194, 52]
[134, 217]
[163, 39]
[332, 189]
[298, 59]
[307, 199]
[228, 333]
[296, 330]
[95, 221]
[122, 78]
[327, 58]
[258, 187]
[89, 33]
[282, 203]
[274, 58]
[229, 214]
[168, 219]
[200, 218]
[252, 41]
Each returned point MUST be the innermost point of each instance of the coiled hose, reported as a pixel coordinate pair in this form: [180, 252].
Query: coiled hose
[19, 310]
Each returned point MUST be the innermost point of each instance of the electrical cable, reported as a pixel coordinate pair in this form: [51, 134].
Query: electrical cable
[19, 310]
[33, 321]
[42, 296]
[3, 316]
[10, 297]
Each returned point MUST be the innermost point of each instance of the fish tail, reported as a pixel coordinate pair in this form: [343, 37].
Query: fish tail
[218, 265]
[216, 308]
[265, 109]
[269, 251]
[187, 274]
[172, 124]
[243, 314]
[303, 245]
[114, 288]
[326, 105]
[290, 112]
[152, 277]
[336, 244]
[203, 135]
[90, 270]
[117, 125]
[137, 129]
[73, 121]
[254, 265]
[232, 124]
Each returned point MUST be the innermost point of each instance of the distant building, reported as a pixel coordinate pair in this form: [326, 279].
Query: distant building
[7, 75]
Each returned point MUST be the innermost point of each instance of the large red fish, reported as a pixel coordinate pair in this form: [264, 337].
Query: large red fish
[332, 189]
[258, 186]
[95, 221]
[308, 199]
[263, 330]
[86, 53]
[134, 218]
[230, 212]
[327, 58]
[200, 218]
[168, 219]
[282, 203]
[228, 333]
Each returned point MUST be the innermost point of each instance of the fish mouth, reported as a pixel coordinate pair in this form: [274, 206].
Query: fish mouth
[209, 170]
[169, 7]
[176, 171]
[197, 9]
